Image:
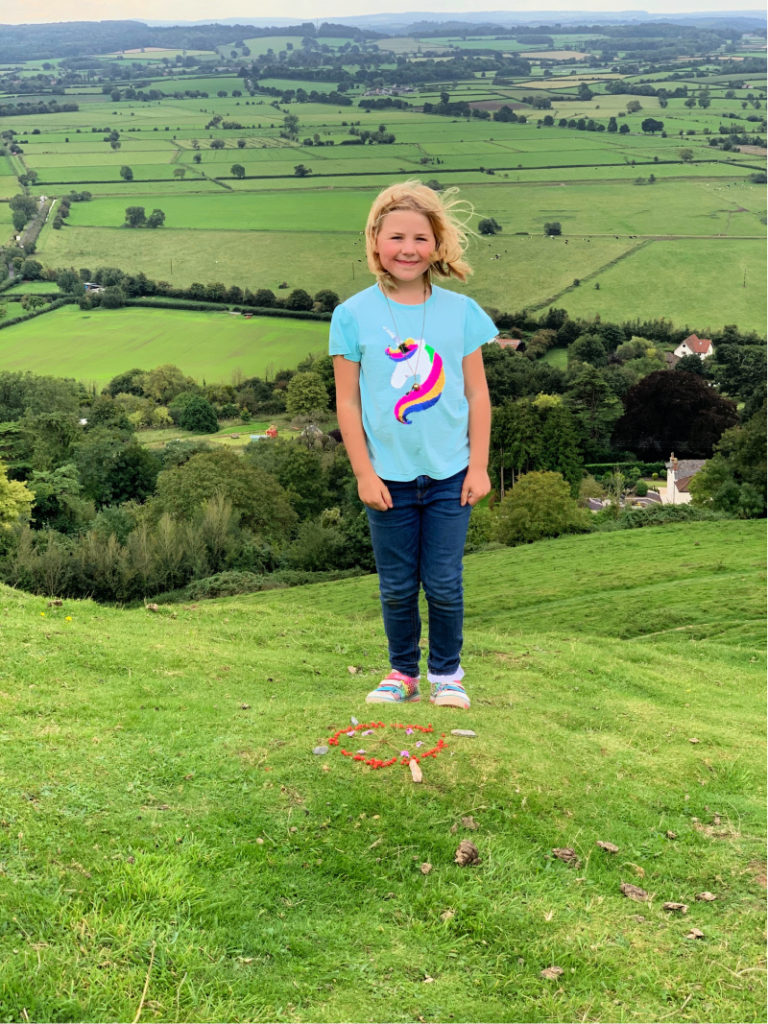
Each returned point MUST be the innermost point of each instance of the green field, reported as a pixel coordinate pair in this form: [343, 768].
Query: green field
[608, 189]
[173, 850]
[95, 346]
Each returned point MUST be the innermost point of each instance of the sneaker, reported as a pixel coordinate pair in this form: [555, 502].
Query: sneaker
[395, 689]
[450, 695]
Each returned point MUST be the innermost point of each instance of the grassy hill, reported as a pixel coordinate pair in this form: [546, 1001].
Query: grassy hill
[172, 849]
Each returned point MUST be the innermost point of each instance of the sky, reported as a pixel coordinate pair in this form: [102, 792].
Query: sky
[14, 12]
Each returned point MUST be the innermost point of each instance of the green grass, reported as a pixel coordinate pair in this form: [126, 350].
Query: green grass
[95, 346]
[171, 848]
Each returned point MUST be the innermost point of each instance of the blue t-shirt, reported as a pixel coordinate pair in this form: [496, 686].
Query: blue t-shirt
[415, 414]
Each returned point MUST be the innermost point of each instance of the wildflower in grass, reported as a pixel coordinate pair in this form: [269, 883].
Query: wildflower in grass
[68, 618]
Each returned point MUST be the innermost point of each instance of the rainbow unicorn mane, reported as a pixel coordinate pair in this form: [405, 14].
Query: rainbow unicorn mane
[425, 395]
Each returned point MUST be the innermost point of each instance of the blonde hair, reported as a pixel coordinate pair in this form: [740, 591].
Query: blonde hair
[447, 217]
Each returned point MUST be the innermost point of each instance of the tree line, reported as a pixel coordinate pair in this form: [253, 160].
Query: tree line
[90, 511]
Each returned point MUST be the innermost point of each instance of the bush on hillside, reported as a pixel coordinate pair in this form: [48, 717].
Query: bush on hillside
[539, 505]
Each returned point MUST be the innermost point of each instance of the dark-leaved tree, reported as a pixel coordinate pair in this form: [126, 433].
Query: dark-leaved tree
[673, 412]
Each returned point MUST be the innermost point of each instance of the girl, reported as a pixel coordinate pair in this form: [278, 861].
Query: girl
[414, 413]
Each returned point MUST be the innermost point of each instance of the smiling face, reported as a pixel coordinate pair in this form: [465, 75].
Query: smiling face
[405, 245]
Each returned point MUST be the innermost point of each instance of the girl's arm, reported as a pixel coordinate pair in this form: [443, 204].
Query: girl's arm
[477, 482]
[371, 488]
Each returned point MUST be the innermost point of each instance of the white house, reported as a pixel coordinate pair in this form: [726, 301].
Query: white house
[679, 475]
[693, 346]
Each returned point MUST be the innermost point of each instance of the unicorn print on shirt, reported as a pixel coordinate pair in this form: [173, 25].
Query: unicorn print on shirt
[417, 362]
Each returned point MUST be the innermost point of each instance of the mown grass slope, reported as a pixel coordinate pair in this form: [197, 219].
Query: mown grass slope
[171, 848]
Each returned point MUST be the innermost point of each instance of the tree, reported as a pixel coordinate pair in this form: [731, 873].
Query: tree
[686, 155]
[59, 504]
[553, 228]
[217, 144]
[488, 226]
[126, 173]
[156, 219]
[15, 500]
[197, 158]
[734, 479]
[299, 300]
[539, 505]
[326, 301]
[255, 495]
[673, 412]
[595, 409]
[179, 172]
[237, 171]
[650, 124]
[198, 415]
[165, 382]
[265, 297]
[633, 106]
[587, 348]
[306, 395]
[301, 171]
[135, 217]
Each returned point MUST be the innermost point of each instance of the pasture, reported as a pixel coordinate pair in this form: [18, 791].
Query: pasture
[608, 189]
[95, 346]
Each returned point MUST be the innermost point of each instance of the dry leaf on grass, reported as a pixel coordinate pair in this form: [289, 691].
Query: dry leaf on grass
[426, 867]
[469, 823]
[695, 933]
[670, 834]
[416, 773]
[634, 892]
[567, 855]
[551, 973]
[466, 853]
[447, 915]
[608, 847]
[705, 897]
[693, 739]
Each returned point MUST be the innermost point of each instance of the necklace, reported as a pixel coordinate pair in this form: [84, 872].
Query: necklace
[401, 341]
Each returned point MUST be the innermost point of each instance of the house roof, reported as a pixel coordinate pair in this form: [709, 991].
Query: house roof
[686, 470]
[698, 345]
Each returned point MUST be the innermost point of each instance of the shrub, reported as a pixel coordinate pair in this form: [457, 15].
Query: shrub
[539, 505]
[641, 488]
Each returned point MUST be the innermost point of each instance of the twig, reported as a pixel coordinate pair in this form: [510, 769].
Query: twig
[146, 983]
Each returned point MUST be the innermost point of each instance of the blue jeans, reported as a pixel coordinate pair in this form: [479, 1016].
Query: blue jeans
[420, 542]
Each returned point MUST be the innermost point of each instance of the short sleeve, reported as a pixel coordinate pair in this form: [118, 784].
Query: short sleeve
[479, 329]
[344, 337]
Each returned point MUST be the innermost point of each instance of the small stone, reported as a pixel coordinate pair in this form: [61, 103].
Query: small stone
[462, 732]
[320, 750]
[694, 740]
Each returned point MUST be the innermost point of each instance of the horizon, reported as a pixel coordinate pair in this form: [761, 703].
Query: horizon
[48, 12]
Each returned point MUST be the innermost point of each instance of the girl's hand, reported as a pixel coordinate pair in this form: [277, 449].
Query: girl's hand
[374, 492]
[477, 484]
